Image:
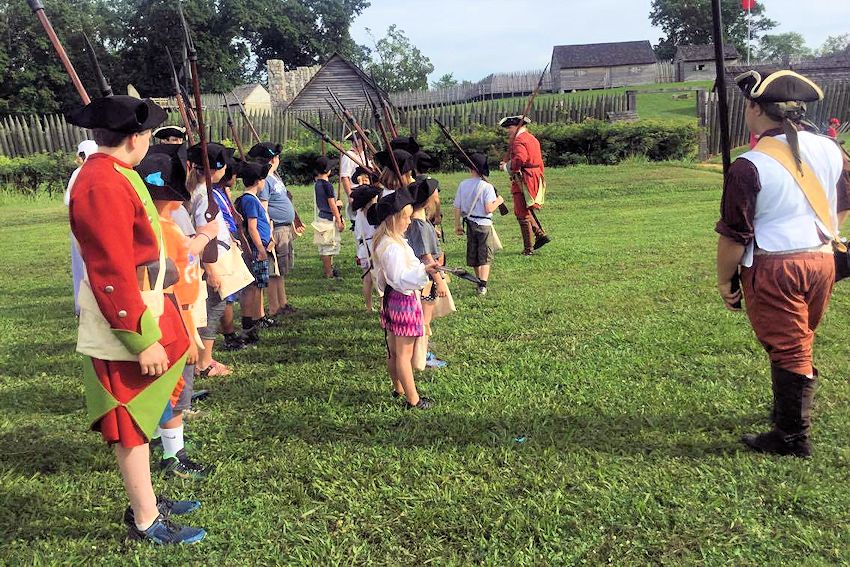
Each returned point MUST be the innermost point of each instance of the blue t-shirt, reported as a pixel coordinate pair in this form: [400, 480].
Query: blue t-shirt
[324, 191]
[253, 209]
[281, 210]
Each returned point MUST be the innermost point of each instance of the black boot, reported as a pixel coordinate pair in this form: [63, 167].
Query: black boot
[793, 395]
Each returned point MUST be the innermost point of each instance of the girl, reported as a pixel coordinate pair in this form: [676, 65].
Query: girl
[389, 180]
[399, 275]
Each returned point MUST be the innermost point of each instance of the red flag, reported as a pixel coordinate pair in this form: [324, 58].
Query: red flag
[748, 4]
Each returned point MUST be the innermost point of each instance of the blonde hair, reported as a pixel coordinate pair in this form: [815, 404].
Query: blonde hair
[389, 229]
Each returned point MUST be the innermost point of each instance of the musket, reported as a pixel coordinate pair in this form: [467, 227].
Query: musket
[384, 106]
[105, 89]
[37, 8]
[245, 117]
[503, 209]
[181, 105]
[232, 128]
[461, 273]
[322, 127]
[353, 124]
[324, 137]
[387, 144]
[212, 208]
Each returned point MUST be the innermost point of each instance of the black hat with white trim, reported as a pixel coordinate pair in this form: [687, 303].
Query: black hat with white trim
[779, 86]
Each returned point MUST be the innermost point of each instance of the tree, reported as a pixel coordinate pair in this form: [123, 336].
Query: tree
[397, 64]
[834, 44]
[686, 22]
[783, 47]
[445, 82]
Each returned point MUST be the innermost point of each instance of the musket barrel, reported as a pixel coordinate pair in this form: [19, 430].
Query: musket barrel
[38, 9]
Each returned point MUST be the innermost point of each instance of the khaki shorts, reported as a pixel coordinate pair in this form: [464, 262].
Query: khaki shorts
[284, 248]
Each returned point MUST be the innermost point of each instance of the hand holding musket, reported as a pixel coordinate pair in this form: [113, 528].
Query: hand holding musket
[38, 9]
[503, 209]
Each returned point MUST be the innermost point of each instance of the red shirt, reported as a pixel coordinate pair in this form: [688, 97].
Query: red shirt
[526, 158]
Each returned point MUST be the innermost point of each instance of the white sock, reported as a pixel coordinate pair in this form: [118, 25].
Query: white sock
[172, 441]
[143, 527]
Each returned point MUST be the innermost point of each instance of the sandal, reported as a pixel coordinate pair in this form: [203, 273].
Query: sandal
[215, 369]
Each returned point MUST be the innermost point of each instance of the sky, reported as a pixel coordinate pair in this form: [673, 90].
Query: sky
[473, 38]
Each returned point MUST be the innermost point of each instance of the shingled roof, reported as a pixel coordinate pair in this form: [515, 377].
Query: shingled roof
[602, 55]
[704, 52]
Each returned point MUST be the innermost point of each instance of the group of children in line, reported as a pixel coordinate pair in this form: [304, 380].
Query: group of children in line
[208, 262]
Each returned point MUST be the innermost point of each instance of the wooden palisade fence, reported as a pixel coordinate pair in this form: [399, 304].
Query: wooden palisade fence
[27, 134]
[835, 104]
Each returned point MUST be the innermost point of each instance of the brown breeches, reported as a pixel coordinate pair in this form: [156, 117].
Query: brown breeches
[786, 297]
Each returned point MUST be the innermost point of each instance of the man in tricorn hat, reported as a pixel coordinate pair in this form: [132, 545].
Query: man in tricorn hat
[528, 186]
[134, 340]
[170, 134]
[783, 203]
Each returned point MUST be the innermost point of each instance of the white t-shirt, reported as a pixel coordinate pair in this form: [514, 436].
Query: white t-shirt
[465, 196]
[363, 233]
[71, 185]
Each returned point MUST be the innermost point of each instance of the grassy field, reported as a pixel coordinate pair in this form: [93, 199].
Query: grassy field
[590, 413]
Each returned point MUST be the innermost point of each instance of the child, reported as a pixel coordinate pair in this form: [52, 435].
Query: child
[129, 351]
[400, 276]
[474, 204]
[363, 197]
[388, 180]
[164, 172]
[259, 232]
[328, 223]
[422, 237]
[78, 268]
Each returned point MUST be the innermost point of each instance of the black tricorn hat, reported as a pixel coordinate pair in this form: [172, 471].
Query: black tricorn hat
[423, 162]
[361, 171]
[479, 159]
[389, 205]
[406, 143]
[422, 189]
[404, 159]
[779, 86]
[265, 150]
[119, 113]
[169, 131]
[218, 155]
[362, 194]
[251, 171]
[163, 170]
[514, 121]
[324, 164]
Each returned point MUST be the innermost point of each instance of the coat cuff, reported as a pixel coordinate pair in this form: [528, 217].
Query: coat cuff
[137, 342]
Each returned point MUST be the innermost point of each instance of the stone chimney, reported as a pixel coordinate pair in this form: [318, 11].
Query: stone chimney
[277, 83]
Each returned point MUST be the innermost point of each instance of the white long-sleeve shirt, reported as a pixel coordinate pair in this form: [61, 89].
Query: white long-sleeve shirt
[398, 267]
[363, 233]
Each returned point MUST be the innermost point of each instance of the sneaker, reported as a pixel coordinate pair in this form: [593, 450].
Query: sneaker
[335, 273]
[528, 252]
[541, 241]
[163, 532]
[423, 403]
[233, 341]
[200, 395]
[191, 413]
[432, 361]
[482, 290]
[166, 507]
[397, 394]
[267, 323]
[252, 336]
[181, 466]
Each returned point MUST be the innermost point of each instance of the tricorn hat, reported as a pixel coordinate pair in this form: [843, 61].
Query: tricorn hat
[218, 155]
[119, 113]
[169, 131]
[406, 143]
[265, 150]
[389, 205]
[479, 160]
[361, 171]
[779, 86]
[362, 195]
[324, 164]
[514, 121]
[163, 170]
[404, 159]
[422, 189]
[354, 134]
[423, 162]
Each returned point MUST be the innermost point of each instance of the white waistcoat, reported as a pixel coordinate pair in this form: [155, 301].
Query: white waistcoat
[783, 218]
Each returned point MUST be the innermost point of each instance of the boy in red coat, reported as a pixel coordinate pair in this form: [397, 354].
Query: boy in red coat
[133, 337]
[528, 185]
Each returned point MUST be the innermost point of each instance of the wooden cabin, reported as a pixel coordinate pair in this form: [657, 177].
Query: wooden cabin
[696, 62]
[345, 79]
[602, 65]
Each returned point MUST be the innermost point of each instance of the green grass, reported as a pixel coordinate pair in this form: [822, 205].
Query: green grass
[609, 354]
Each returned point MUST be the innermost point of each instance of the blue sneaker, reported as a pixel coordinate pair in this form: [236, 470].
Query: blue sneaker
[163, 532]
[166, 507]
[432, 361]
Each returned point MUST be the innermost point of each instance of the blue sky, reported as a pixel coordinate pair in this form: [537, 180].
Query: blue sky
[472, 38]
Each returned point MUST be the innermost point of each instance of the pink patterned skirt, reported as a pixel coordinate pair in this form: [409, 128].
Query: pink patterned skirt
[401, 314]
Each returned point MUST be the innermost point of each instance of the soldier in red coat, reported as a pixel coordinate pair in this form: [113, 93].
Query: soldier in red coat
[132, 335]
[528, 184]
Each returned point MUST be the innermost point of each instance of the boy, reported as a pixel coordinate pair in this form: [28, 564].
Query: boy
[474, 204]
[259, 233]
[328, 223]
[134, 344]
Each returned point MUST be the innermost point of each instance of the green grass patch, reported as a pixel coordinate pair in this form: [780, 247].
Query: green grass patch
[589, 415]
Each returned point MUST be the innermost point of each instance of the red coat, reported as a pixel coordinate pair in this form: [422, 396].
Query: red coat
[527, 160]
[115, 236]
